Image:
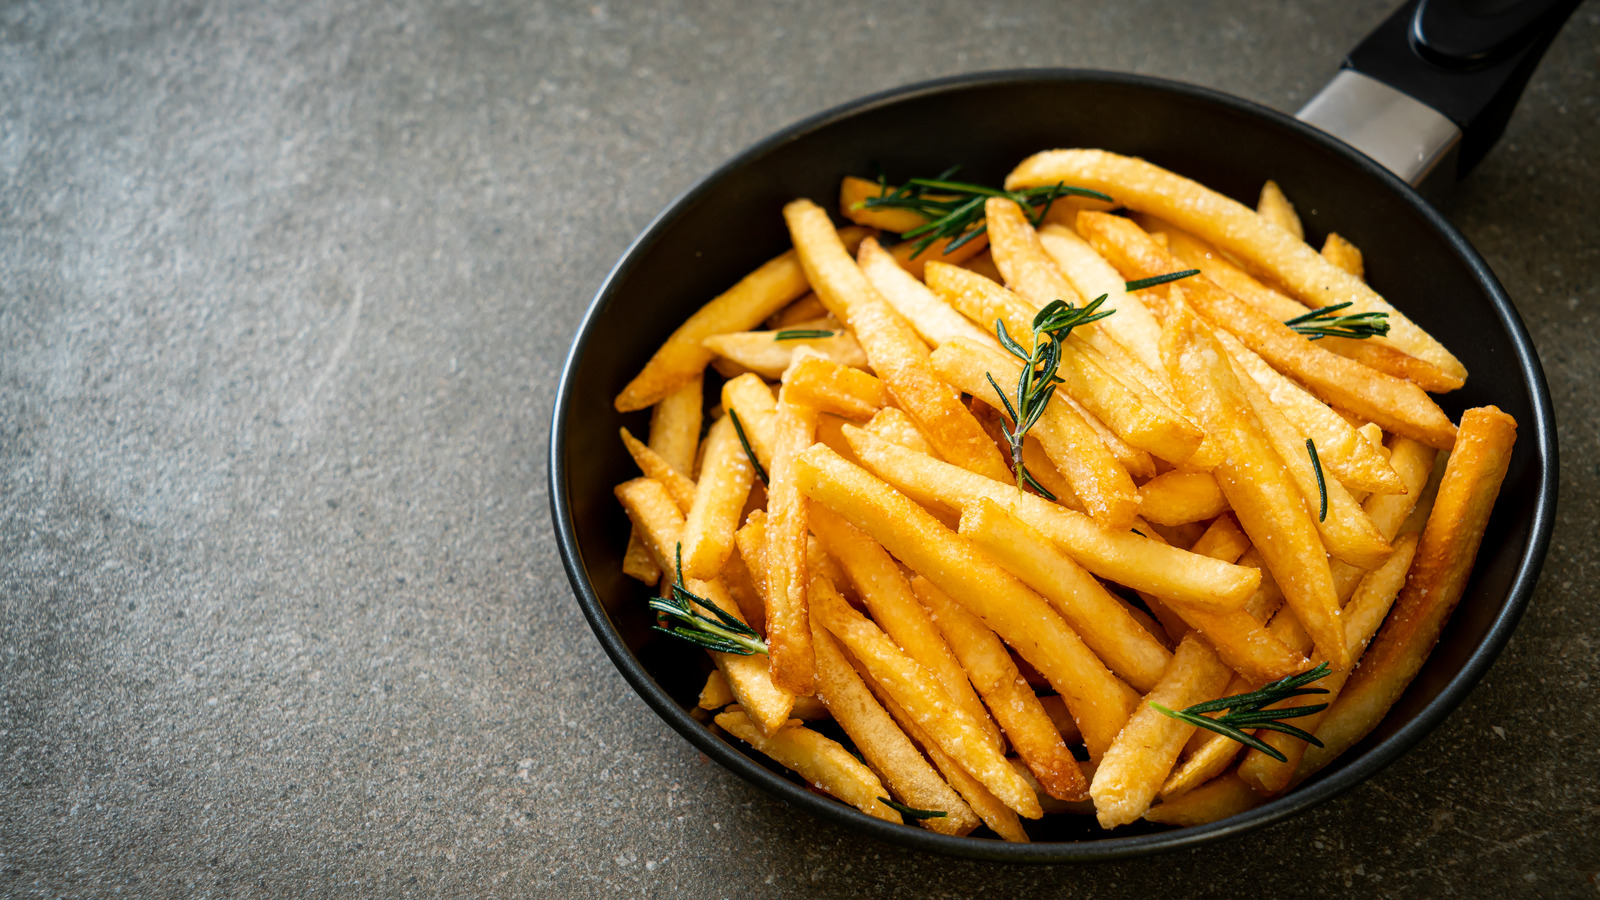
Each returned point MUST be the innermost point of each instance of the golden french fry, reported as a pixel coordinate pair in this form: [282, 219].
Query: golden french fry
[653, 465]
[1397, 405]
[895, 352]
[1347, 532]
[1444, 557]
[749, 398]
[1348, 456]
[1123, 557]
[1264, 500]
[742, 584]
[919, 694]
[1032, 733]
[1276, 209]
[660, 524]
[820, 761]
[805, 309]
[831, 387]
[1362, 616]
[894, 426]
[1134, 324]
[953, 564]
[763, 353]
[1176, 498]
[1135, 415]
[1134, 768]
[853, 191]
[637, 561]
[1211, 802]
[742, 307]
[883, 587]
[995, 814]
[716, 694]
[933, 318]
[794, 427]
[1232, 227]
[1236, 281]
[1139, 463]
[1103, 623]
[1061, 717]
[881, 742]
[725, 477]
[675, 426]
[1099, 482]
[1344, 254]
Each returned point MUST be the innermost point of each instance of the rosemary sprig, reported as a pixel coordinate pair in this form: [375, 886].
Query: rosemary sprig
[911, 812]
[1322, 484]
[1325, 322]
[1036, 385]
[954, 209]
[724, 634]
[802, 334]
[1143, 283]
[1247, 711]
[738, 428]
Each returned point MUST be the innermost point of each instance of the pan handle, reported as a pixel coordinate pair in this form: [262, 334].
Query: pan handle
[1430, 90]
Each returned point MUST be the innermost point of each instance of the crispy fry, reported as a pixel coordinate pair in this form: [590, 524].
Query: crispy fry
[896, 427]
[637, 562]
[1236, 281]
[1139, 463]
[933, 318]
[882, 586]
[762, 353]
[831, 387]
[1438, 578]
[1103, 623]
[1397, 405]
[919, 694]
[995, 814]
[1100, 702]
[725, 477]
[751, 400]
[1140, 418]
[661, 526]
[1362, 616]
[853, 191]
[819, 760]
[653, 465]
[1264, 500]
[1061, 717]
[1344, 254]
[1211, 802]
[1036, 738]
[1134, 325]
[1276, 209]
[1176, 498]
[1137, 763]
[893, 348]
[1099, 482]
[742, 307]
[881, 742]
[716, 694]
[1232, 227]
[794, 427]
[1123, 557]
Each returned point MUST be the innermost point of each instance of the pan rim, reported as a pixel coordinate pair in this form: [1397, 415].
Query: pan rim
[1317, 791]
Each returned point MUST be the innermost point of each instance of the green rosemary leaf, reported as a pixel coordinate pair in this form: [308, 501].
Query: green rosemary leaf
[1223, 728]
[1248, 711]
[911, 812]
[738, 428]
[1325, 322]
[1143, 283]
[802, 334]
[725, 633]
[1322, 484]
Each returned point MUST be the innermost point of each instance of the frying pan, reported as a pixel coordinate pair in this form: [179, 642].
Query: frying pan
[1420, 101]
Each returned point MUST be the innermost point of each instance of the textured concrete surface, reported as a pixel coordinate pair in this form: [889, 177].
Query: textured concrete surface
[283, 291]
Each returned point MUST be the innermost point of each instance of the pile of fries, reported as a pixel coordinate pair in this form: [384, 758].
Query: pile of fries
[933, 611]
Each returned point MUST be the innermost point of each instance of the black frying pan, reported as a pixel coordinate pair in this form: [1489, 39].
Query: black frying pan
[730, 223]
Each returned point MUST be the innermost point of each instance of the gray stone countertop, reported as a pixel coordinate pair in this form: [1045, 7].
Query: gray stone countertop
[284, 290]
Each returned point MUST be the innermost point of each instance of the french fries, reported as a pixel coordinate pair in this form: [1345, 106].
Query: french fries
[1232, 227]
[1214, 502]
[1438, 577]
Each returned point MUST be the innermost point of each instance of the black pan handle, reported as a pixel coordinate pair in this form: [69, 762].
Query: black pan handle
[1431, 89]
